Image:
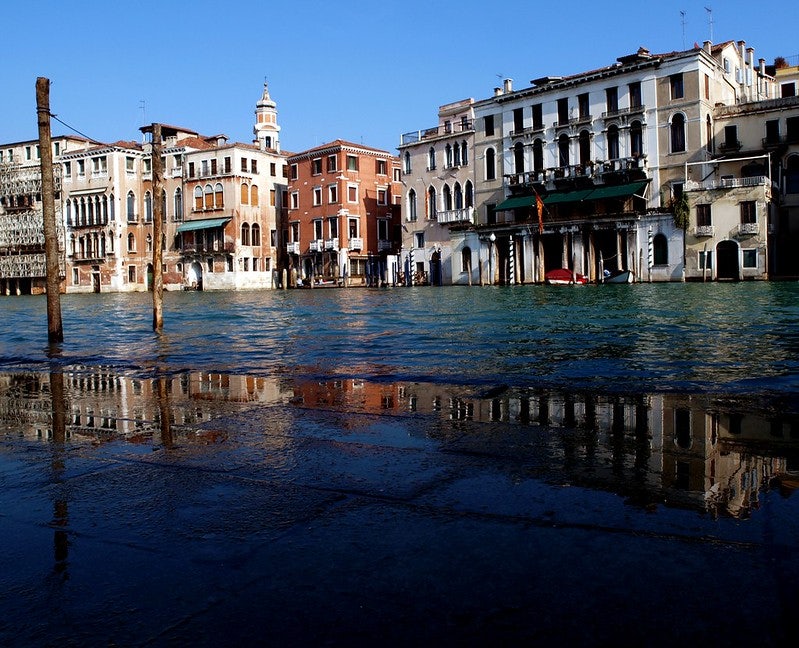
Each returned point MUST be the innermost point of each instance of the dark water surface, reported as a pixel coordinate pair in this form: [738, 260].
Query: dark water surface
[529, 465]
[738, 337]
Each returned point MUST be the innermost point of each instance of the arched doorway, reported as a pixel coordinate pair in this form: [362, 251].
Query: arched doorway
[194, 276]
[435, 269]
[727, 265]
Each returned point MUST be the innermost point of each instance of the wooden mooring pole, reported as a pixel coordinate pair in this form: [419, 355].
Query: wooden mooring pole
[55, 329]
[158, 215]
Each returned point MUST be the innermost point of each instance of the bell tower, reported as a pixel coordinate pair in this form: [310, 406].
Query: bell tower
[266, 129]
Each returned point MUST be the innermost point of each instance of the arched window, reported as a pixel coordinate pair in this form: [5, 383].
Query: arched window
[245, 234]
[69, 214]
[90, 206]
[456, 154]
[255, 234]
[792, 175]
[491, 167]
[219, 196]
[72, 246]
[131, 242]
[431, 203]
[585, 147]
[447, 198]
[458, 196]
[131, 206]
[466, 259]
[254, 195]
[613, 142]
[111, 209]
[208, 195]
[111, 241]
[198, 198]
[448, 156]
[660, 250]
[469, 194]
[407, 165]
[105, 210]
[563, 150]
[245, 194]
[518, 157]
[636, 139]
[178, 204]
[464, 154]
[538, 155]
[148, 207]
[412, 214]
[677, 132]
[431, 159]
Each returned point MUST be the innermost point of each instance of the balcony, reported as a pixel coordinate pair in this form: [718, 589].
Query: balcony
[620, 112]
[383, 246]
[726, 182]
[773, 142]
[574, 121]
[212, 246]
[436, 131]
[317, 245]
[730, 146]
[463, 215]
[331, 244]
[748, 229]
[293, 248]
[704, 231]
[356, 244]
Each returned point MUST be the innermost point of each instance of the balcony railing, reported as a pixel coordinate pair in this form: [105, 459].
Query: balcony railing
[574, 121]
[356, 244]
[383, 245]
[463, 215]
[293, 248]
[436, 131]
[726, 183]
[748, 229]
[213, 246]
[701, 231]
[618, 112]
[331, 244]
[730, 145]
[773, 142]
[317, 245]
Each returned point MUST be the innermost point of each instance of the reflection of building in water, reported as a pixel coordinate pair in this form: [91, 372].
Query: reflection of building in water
[103, 404]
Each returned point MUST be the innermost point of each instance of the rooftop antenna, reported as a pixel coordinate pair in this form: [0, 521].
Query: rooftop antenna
[142, 105]
[683, 22]
[710, 21]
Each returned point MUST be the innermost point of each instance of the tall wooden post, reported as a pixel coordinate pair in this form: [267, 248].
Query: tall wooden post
[55, 330]
[158, 215]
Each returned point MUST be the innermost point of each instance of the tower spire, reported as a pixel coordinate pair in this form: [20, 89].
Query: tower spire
[266, 129]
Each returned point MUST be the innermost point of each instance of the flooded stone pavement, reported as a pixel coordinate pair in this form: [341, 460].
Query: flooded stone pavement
[212, 509]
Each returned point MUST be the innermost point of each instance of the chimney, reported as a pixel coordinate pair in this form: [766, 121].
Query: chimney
[707, 45]
[508, 84]
[762, 66]
[742, 51]
[497, 91]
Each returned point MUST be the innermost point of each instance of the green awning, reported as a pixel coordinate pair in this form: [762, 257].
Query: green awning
[617, 191]
[567, 196]
[208, 223]
[515, 203]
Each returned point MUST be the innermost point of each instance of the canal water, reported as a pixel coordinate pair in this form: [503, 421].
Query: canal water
[728, 338]
[592, 465]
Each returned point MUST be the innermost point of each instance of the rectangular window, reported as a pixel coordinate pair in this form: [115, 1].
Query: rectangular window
[583, 106]
[397, 175]
[331, 163]
[612, 99]
[518, 120]
[792, 129]
[75, 277]
[538, 117]
[749, 258]
[381, 167]
[352, 193]
[131, 274]
[382, 229]
[788, 89]
[707, 87]
[419, 236]
[563, 111]
[273, 238]
[676, 86]
[636, 99]
[81, 168]
[703, 216]
[253, 166]
[352, 163]
[228, 165]
[191, 168]
[317, 229]
[244, 164]
[272, 197]
[316, 166]
[352, 226]
[773, 131]
[67, 168]
[332, 194]
[382, 197]
[317, 196]
[706, 260]
[27, 152]
[748, 211]
[56, 149]
[213, 167]
[731, 137]
[332, 225]
[488, 121]
[295, 200]
[272, 169]
[294, 171]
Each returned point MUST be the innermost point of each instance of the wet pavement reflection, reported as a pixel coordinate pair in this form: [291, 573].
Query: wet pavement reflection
[206, 508]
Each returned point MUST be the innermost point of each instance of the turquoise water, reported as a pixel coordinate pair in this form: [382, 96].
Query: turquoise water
[738, 337]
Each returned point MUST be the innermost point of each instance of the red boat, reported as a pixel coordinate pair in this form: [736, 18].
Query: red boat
[565, 277]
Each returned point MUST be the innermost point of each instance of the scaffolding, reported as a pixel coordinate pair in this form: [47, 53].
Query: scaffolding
[22, 255]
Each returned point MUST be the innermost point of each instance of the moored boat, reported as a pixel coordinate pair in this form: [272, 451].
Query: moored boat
[618, 277]
[564, 277]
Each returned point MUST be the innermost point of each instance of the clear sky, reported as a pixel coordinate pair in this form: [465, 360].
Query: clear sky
[355, 70]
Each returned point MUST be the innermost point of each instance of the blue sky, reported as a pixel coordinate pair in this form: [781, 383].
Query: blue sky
[361, 71]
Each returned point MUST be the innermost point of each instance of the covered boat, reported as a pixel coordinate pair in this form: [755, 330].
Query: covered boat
[564, 277]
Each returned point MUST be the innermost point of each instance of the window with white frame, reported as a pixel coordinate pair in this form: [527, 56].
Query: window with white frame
[332, 194]
[352, 193]
[317, 194]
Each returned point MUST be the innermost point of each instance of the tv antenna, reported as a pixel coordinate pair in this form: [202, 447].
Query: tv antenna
[683, 23]
[710, 21]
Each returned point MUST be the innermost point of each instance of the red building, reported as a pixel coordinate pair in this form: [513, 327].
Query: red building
[343, 214]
